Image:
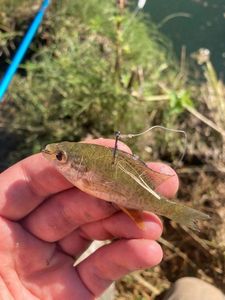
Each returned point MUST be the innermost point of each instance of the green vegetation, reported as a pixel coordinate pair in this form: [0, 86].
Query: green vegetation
[91, 75]
[95, 68]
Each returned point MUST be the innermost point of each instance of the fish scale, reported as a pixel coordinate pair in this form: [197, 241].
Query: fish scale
[124, 179]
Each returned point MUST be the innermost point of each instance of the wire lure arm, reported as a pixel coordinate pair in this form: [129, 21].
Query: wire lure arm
[117, 136]
[131, 135]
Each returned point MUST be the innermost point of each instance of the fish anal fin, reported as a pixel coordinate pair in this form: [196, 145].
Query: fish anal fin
[135, 216]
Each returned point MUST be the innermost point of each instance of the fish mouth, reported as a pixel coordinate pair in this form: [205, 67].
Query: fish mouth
[48, 153]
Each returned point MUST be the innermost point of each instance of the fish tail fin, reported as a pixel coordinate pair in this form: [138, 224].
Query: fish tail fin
[185, 215]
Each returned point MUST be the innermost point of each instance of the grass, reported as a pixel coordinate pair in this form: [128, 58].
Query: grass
[86, 76]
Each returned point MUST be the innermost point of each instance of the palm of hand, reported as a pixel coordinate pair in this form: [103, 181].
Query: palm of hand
[46, 223]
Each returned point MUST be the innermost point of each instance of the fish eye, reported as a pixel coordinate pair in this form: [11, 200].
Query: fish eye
[61, 156]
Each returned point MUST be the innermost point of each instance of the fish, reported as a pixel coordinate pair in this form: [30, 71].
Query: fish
[120, 178]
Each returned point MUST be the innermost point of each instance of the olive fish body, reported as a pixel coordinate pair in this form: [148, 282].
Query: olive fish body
[123, 179]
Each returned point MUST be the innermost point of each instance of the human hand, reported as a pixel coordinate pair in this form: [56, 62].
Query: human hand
[46, 223]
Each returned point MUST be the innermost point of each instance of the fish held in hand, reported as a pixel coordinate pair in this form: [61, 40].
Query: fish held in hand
[124, 180]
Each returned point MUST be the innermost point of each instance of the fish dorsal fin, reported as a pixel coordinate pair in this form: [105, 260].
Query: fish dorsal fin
[157, 178]
[146, 177]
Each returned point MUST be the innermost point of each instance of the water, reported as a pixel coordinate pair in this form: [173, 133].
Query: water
[198, 24]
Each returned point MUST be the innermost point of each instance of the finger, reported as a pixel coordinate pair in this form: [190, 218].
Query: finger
[26, 184]
[19, 248]
[169, 187]
[118, 225]
[29, 182]
[33, 269]
[115, 260]
[64, 212]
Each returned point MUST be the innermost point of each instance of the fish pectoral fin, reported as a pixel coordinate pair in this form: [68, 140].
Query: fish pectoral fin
[134, 215]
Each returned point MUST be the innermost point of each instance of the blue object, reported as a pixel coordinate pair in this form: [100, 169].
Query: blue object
[22, 49]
